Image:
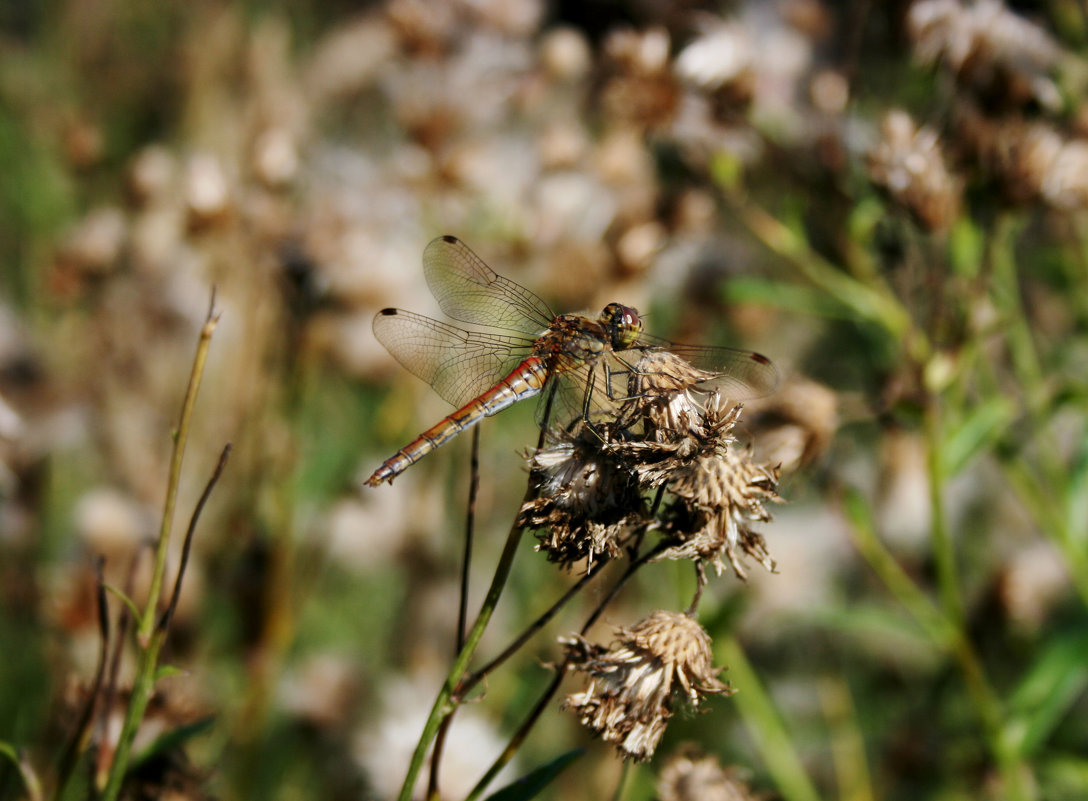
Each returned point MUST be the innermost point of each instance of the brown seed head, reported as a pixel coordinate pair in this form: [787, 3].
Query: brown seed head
[909, 166]
[628, 699]
[691, 776]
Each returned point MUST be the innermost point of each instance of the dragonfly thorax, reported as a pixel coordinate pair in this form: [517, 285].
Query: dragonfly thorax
[622, 324]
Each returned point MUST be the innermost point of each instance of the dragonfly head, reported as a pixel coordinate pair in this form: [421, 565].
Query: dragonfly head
[623, 325]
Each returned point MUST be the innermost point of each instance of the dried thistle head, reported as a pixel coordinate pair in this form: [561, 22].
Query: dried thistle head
[689, 775]
[722, 63]
[663, 393]
[642, 91]
[1004, 59]
[706, 431]
[587, 500]
[908, 164]
[717, 498]
[628, 700]
[795, 426]
[1031, 161]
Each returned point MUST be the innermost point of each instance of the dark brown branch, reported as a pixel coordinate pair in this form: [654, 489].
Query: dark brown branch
[168, 614]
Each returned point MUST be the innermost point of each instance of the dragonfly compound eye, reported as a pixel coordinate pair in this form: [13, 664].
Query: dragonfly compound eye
[623, 325]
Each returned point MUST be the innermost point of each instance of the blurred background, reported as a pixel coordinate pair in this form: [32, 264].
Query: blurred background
[887, 199]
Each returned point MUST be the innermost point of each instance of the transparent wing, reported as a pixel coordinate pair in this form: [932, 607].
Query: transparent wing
[470, 291]
[739, 374]
[459, 365]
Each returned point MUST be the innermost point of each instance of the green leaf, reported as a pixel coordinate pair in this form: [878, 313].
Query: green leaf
[1076, 489]
[726, 169]
[965, 247]
[787, 296]
[173, 739]
[8, 750]
[136, 616]
[30, 779]
[981, 429]
[1046, 694]
[533, 782]
[166, 671]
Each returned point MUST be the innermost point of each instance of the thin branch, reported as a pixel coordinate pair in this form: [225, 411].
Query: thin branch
[700, 583]
[473, 679]
[78, 740]
[168, 614]
[462, 610]
[553, 686]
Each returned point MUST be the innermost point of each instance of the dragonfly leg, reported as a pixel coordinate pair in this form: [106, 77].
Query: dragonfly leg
[629, 370]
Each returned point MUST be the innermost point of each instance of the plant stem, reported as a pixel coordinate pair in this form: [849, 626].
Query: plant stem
[943, 551]
[443, 703]
[150, 638]
[462, 606]
[948, 635]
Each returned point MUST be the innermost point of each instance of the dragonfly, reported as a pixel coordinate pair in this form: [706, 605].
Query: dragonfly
[525, 349]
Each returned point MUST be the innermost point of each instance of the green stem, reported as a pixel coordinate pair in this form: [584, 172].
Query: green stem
[1049, 517]
[875, 304]
[766, 727]
[943, 551]
[444, 703]
[150, 638]
[948, 635]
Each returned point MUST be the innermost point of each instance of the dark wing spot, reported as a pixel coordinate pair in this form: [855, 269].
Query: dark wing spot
[387, 312]
[759, 357]
[452, 240]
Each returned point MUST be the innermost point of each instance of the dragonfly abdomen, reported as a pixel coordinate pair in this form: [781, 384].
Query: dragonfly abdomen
[526, 380]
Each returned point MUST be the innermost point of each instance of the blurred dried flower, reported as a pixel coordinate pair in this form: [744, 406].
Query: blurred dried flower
[1031, 583]
[94, 246]
[348, 58]
[829, 91]
[424, 27]
[150, 174]
[1032, 161]
[721, 62]
[642, 91]
[84, 143]
[275, 157]
[110, 523]
[207, 193]
[321, 690]
[909, 165]
[1000, 56]
[385, 745]
[795, 426]
[638, 245]
[629, 697]
[565, 54]
[692, 776]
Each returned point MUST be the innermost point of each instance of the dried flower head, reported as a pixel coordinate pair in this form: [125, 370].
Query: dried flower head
[642, 91]
[689, 775]
[1031, 161]
[722, 63]
[663, 389]
[717, 497]
[628, 700]
[795, 426]
[587, 500]
[1000, 56]
[695, 427]
[908, 164]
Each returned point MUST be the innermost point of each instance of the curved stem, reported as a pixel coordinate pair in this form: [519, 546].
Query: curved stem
[462, 608]
[149, 636]
[443, 703]
[527, 725]
[475, 678]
